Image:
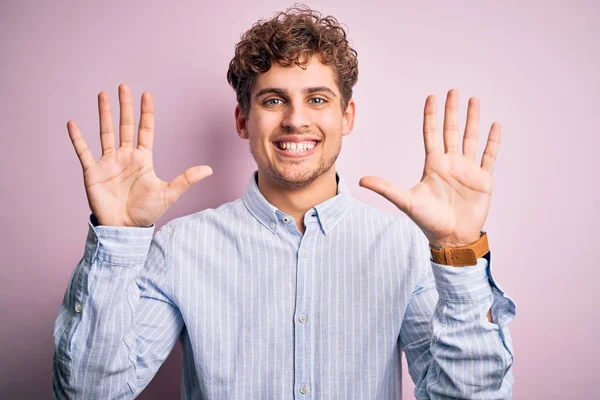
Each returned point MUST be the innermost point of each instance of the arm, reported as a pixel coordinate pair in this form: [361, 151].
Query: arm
[117, 322]
[451, 347]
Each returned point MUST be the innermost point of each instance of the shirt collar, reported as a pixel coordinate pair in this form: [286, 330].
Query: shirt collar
[328, 213]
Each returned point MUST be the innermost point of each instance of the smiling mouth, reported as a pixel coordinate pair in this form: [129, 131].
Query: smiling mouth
[296, 149]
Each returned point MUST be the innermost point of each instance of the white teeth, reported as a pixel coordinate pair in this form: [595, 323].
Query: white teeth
[296, 147]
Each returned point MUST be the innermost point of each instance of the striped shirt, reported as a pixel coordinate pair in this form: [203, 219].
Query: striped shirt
[263, 311]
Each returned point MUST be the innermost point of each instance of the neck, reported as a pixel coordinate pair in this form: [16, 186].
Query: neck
[297, 201]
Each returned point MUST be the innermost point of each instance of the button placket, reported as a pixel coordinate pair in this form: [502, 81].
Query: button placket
[303, 361]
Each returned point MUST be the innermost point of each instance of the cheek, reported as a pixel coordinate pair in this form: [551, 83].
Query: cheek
[332, 129]
[259, 145]
[330, 123]
[261, 128]
[264, 121]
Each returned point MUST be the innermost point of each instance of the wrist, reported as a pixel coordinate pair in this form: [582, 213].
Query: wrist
[452, 243]
[462, 255]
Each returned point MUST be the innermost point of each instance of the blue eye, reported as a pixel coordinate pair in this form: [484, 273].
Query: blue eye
[268, 102]
[320, 101]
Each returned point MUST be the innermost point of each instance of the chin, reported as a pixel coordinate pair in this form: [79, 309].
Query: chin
[295, 179]
[295, 174]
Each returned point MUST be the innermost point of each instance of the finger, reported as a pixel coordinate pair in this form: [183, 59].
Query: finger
[451, 122]
[430, 135]
[107, 134]
[146, 130]
[401, 198]
[83, 152]
[127, 123]
[491, 148]
[183, 182]
[469, 144]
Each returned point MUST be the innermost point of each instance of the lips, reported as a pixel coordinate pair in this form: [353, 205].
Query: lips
[296, 139]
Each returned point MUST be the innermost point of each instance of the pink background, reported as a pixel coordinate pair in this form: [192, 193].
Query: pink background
[534, 66]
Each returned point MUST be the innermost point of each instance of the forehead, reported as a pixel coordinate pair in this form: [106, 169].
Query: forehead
[294, 78]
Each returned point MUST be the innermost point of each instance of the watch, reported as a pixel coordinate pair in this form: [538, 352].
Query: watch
[463, 255]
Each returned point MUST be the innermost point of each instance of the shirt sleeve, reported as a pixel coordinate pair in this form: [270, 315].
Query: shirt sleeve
[117, 322]
[452, 349]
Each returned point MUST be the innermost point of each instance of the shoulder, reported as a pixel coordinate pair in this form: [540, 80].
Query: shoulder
[397, 224]
[384, 219]
[204, 218]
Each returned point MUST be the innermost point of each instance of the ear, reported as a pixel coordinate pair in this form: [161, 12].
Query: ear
[348, 118]
[240, 123]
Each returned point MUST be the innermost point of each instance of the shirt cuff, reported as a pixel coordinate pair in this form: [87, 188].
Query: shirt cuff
[117, 244]
[462, 284]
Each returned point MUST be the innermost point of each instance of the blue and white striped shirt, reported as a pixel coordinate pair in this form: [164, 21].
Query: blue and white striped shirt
[265, 312]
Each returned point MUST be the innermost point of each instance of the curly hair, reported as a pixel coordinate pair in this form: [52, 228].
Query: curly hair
[292, 37]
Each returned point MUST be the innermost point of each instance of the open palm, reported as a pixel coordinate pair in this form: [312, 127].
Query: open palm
[121, 187]
[451, 202]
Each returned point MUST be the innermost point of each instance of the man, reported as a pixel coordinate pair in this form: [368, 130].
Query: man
[296, 290]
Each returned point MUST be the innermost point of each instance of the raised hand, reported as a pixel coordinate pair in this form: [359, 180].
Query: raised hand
[452, 201]
[122, 188]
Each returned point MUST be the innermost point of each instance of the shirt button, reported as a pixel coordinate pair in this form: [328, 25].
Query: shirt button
[303, 389]
[286, 219]
[272, 225]
[302, 318]
[94, 239]
[305, 253]
[326, 225]
[77, 308]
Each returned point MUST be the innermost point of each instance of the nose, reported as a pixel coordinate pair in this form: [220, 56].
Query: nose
[295, 118]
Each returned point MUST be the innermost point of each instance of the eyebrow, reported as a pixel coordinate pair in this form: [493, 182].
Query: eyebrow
[308, 90]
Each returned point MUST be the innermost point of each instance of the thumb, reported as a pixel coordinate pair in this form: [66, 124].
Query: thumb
[400, 198]
[183, 182]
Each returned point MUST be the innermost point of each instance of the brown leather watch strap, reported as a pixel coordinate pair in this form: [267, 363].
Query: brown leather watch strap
[462, 256]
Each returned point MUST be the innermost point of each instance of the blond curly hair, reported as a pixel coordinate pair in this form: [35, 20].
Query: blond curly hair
[292, 37]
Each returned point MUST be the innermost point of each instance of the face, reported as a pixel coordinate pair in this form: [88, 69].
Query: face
[295, 124]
